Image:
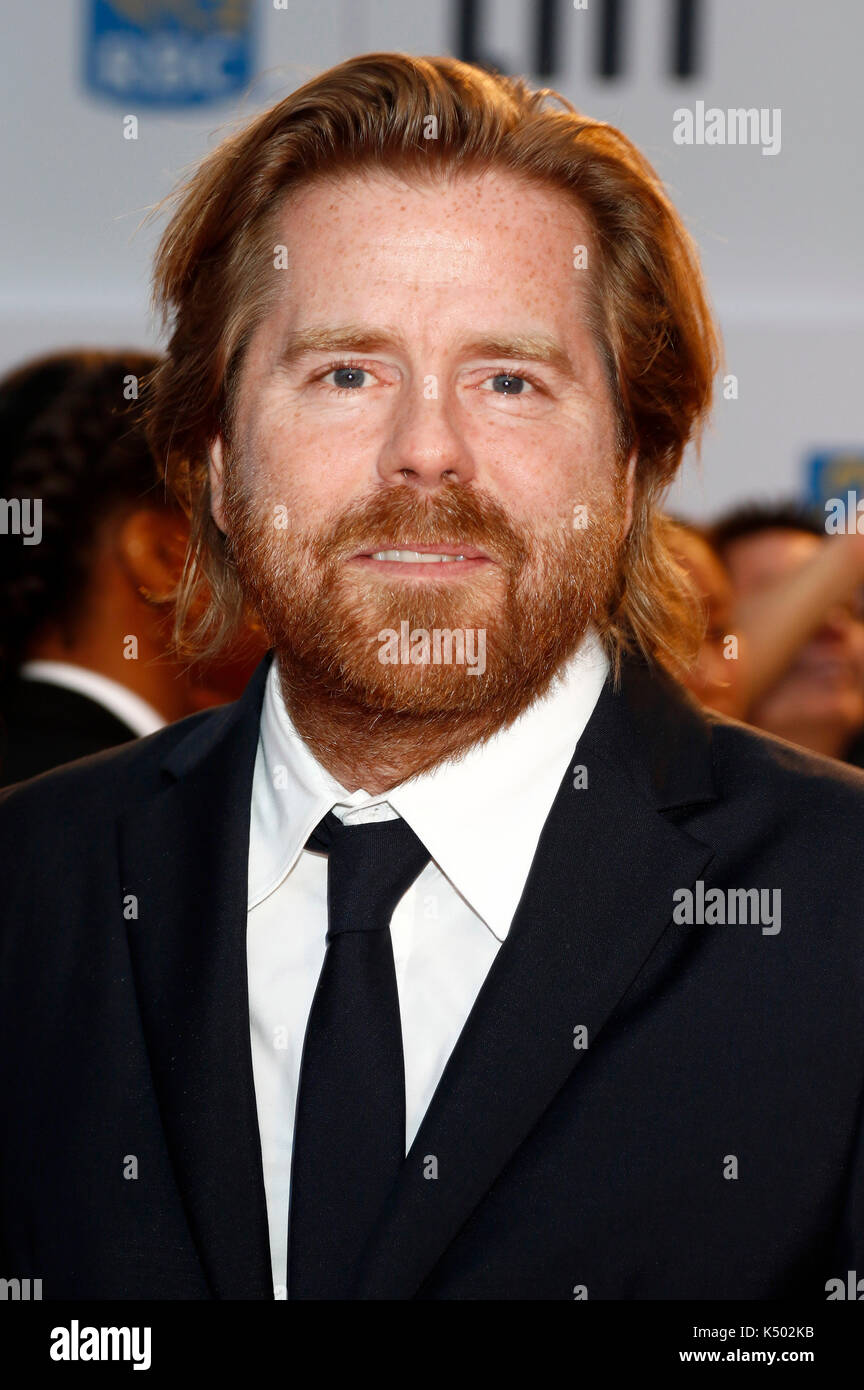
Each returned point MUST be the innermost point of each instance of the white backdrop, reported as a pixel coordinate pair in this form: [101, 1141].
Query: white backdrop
[780, 235]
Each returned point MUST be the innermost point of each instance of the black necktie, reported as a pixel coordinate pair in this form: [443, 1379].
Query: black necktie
[349, 1131]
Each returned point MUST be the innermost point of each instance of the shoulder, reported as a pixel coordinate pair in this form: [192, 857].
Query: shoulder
[794, 814]
[703, 764]
[747, 758]
[78, 793]
[76, 804]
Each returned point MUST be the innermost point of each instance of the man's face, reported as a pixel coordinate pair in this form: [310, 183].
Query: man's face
[426, 382]
[824, 686]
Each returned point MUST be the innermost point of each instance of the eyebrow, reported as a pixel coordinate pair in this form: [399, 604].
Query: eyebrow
[522, 347]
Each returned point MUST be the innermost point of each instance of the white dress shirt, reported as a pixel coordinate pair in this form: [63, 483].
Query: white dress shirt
[123, 703]
[480, 817]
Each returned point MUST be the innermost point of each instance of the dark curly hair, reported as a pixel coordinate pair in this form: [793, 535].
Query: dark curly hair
[70, 438]
[754, 517]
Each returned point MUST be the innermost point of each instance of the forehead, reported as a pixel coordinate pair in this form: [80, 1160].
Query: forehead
[458, 239]
[767, 555]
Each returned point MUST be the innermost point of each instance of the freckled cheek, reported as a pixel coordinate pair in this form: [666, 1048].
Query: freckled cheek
[308, 465]
[543, 471]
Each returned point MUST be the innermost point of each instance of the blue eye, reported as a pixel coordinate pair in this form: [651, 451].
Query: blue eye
[347, 378]
[508, 384]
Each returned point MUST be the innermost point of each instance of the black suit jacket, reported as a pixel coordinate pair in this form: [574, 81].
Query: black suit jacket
[43, 725]
[606, 1171]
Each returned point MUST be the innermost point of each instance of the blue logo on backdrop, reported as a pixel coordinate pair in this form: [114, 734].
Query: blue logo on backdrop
[833, 473]
[169, 52]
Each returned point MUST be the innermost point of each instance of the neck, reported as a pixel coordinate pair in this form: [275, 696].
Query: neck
[377, 750]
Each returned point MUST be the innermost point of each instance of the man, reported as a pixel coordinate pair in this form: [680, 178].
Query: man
[816, 696]
[405, 976]
[85, 607]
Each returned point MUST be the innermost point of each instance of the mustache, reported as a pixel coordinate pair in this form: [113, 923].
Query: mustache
[398, 517]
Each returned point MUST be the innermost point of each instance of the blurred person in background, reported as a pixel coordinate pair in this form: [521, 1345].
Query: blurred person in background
[798, 605]
[715, 677]
[85, 599]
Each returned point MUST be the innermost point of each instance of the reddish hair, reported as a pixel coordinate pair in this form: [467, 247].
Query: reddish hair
[214, 283]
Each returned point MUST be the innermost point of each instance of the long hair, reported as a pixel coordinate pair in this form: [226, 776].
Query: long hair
[214, 282]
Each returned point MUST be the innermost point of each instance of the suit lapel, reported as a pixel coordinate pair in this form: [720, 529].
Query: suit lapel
[597, 899]
[184, 855]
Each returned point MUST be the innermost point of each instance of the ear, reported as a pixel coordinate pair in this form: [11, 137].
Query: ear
[151, 547]
[630, 486]
[216, 460]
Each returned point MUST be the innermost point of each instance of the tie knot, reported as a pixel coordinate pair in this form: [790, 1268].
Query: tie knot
[369, 868]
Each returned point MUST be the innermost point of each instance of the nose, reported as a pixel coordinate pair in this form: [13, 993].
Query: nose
[425, 446]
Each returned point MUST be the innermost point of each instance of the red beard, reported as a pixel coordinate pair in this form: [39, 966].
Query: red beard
[325, 618]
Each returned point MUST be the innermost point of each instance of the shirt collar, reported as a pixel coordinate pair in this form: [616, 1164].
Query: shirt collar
[119, 700]
[480, 816]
